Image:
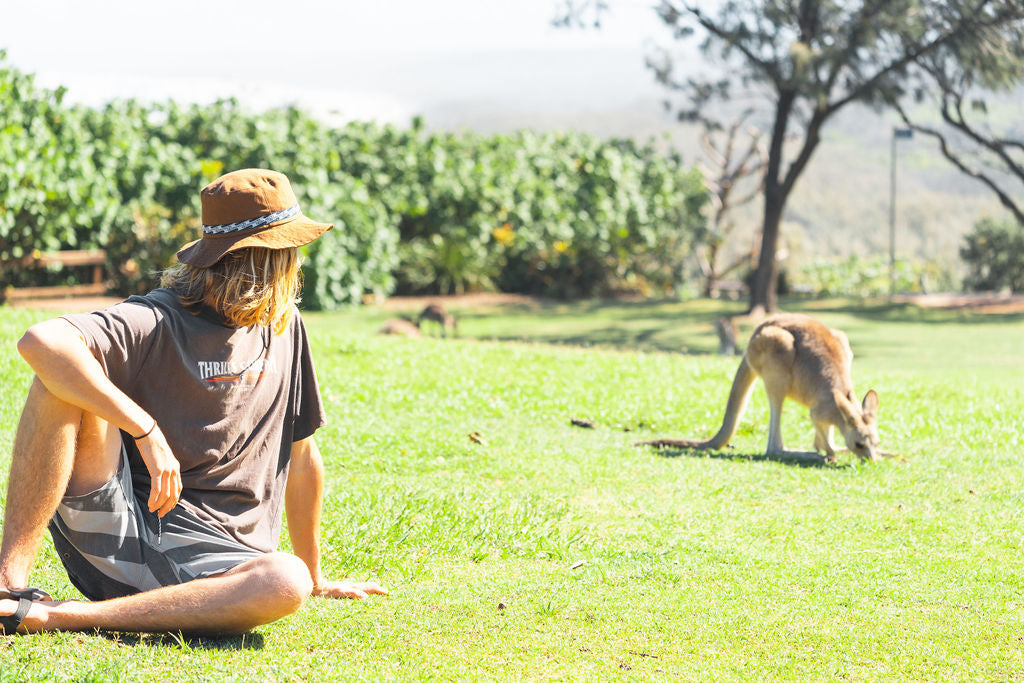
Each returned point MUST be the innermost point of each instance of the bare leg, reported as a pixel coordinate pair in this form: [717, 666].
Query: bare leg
[57, 448]
[775, 446]
[60, 448]
[253, 593]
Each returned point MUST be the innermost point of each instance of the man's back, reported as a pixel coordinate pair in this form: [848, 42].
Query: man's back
[231, 401]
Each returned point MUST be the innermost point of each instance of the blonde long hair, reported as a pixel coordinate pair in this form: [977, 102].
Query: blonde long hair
[251, 286]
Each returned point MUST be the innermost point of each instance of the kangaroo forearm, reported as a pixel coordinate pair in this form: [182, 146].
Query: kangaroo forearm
[66, 366]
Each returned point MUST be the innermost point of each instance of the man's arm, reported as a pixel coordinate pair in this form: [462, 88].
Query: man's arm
[64, 364]
[303, 500]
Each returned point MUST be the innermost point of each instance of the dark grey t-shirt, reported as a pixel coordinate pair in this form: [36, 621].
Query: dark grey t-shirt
[230, 401]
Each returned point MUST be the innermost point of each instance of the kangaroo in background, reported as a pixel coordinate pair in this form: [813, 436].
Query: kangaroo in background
[437, 314]
[800, 358]
[401, 328]
[726, 330]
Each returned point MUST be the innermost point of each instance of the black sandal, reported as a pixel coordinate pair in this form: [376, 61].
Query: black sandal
[25, 598]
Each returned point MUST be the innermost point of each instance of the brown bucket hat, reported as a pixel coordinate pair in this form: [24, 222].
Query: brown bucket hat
[253, 207]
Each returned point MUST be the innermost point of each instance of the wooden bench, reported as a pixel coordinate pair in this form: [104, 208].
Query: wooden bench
[729, 289]
[95, 258]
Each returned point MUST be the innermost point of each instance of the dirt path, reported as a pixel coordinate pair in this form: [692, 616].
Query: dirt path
[975, 303]
[399, 303]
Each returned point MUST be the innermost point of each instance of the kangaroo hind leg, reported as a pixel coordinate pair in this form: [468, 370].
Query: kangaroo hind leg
[772, 353]
[776, 396]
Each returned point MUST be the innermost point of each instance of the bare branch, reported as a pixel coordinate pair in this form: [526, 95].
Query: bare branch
[580, 14]
[812, 137]
[956, 160]
[713, 153]
[960, 123]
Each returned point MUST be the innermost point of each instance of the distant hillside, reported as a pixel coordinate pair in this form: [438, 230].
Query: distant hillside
[841, 203]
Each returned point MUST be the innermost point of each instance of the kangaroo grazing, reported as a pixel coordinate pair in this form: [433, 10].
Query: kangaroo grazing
[437, 314]
[800, 358]
[400, 327]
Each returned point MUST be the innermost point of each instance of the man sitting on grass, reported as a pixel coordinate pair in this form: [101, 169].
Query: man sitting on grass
[162, 437]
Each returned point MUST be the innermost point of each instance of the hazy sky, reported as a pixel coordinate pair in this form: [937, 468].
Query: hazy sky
[372, 58]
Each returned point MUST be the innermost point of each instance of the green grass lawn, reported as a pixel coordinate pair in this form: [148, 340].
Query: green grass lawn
[550, 551]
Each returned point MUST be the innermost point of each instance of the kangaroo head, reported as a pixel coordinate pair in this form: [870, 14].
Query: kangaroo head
[860, 424]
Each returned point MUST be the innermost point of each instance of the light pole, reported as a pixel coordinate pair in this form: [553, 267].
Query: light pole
[897, 133]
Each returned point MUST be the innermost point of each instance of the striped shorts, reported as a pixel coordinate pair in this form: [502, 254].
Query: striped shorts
[111, 544]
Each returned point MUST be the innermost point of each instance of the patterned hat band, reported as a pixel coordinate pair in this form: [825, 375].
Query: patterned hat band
[257, 222]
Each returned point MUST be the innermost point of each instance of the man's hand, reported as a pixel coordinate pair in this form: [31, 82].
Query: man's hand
[164, 472]
[348, 589]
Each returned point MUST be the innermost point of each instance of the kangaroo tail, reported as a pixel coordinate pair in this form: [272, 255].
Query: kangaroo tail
[738, 396]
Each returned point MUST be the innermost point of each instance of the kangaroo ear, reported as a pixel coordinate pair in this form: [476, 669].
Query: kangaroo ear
[845, 405]
[870, 405]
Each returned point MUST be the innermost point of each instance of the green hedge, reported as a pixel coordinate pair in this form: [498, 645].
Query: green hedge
[416, 212]
[870, 277]
[994, 254]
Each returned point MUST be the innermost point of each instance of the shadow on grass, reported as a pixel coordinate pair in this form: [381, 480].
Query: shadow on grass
[805, 459]
[185, 642]
[674, 310]
[903, 312]
[667, 326]
[687, 327]
[607, 338]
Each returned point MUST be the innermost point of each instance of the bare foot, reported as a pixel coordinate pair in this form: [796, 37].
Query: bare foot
[34, 621]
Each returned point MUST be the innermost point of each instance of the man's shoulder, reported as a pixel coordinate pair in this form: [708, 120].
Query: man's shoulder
[162, 298]
[155, 307]
[135, 310]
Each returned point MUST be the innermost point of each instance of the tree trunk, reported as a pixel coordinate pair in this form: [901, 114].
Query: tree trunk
[763, 294]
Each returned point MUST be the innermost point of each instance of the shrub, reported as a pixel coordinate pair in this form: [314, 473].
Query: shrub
[858, 276]
[554, 214]
[358, 256]
[994, 255]
[51, 193]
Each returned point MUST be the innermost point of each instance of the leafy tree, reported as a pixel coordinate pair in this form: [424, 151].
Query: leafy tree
[959, 81]
[801, 62]
[807, 60]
